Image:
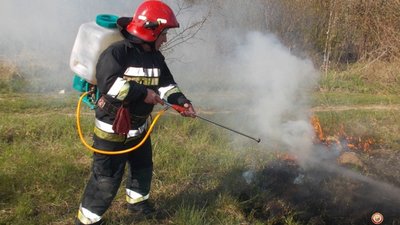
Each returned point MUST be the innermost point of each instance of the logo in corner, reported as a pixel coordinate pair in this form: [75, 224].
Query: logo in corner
[377, 218]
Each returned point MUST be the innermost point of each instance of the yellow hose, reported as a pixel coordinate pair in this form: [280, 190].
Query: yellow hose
[78, 125]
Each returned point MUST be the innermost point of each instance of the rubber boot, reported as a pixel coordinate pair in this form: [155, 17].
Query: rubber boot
[144, 208]
[78, 222]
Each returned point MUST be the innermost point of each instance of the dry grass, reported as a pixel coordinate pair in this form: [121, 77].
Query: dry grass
[381, 72]
[11, 79]
[8, 71]
[376, 78]
[198, 178]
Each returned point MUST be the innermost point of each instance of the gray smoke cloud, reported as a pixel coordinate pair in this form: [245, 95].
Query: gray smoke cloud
[240, 68]
[38, 35]
[237, 66]
[232, 64]
[277, 84]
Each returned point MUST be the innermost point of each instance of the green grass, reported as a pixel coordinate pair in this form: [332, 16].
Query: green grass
[37, 103]
[363, 101]
[198, 173]
[380, 125]
[379, 78]
[44, 167]
[353, 99]
[40, 166]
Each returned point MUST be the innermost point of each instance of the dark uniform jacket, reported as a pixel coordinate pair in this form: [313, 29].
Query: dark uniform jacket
[124, 72]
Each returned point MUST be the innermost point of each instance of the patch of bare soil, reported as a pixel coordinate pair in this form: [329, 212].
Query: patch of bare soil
[345, 189]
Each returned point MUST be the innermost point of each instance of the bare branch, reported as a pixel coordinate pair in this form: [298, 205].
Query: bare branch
[186, 33]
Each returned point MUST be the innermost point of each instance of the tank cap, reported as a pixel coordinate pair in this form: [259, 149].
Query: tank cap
[107, 20]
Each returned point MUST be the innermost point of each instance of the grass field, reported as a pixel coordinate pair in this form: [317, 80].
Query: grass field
[199, 177]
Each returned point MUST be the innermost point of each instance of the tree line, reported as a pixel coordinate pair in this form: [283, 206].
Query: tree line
[338, 32]
[332, 32]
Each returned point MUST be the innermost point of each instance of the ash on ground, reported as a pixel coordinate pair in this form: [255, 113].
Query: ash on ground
[327, 193]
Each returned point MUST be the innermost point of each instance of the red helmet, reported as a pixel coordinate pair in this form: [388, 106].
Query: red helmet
[150, 19]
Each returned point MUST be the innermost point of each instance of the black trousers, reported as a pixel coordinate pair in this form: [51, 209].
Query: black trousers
[108, 170]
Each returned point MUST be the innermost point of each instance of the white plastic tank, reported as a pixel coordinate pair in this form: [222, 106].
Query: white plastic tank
[92, 39]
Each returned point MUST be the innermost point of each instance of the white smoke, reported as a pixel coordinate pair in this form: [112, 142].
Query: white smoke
[233, 64]
[38, 36]
[247, 71]
[278, 86]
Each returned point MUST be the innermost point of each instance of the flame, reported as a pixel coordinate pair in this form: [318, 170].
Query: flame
[317, 128]
[341, 139]
[287, 157]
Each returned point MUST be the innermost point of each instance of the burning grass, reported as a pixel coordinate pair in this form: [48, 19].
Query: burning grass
[321, 194]
[341, 140]
[338, 184]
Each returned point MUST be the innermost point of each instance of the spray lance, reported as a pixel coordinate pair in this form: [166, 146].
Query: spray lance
[180, 109]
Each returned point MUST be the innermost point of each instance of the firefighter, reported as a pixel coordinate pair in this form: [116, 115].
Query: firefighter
[132, 78]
